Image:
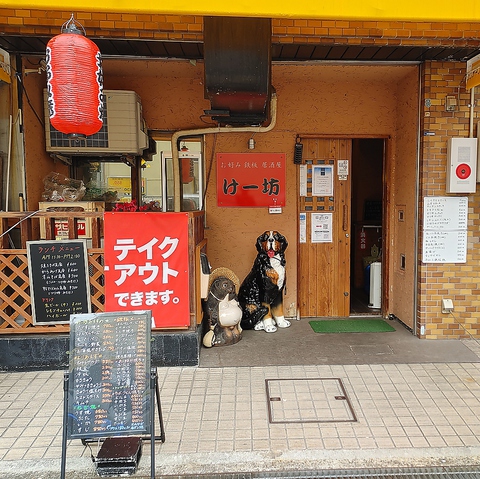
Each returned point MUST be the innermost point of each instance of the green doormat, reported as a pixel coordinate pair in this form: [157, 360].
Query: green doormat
[351, 326]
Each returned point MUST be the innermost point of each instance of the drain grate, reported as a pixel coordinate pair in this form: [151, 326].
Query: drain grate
[467, 472]
[410, 473]
[308, 400]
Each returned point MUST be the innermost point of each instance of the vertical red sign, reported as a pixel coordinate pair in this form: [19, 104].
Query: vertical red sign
[251, 179]
[146, 266]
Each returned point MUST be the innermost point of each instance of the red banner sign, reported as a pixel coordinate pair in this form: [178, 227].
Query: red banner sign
[251, 179]
[146, 266]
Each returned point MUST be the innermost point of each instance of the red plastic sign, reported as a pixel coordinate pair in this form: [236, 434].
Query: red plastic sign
[61, 228]
[251, 179]
[146, 266]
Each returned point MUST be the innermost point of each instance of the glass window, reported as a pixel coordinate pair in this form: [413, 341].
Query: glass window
[111, 181]
[191, 180]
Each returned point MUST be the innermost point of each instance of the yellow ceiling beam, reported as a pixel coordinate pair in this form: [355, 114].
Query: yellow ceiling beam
[375, 10]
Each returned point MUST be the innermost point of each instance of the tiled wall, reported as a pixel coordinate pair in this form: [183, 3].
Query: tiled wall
[190, 28]
[377, 33]
[458, 282]
[119, 25]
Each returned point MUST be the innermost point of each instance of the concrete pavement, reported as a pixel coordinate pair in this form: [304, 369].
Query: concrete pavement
[271, 418]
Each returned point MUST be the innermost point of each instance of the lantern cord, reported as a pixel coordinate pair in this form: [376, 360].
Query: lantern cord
[71, 26]
[209, 170]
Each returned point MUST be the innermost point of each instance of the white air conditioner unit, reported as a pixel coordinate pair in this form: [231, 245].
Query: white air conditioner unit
[123, 131]
[375, 285]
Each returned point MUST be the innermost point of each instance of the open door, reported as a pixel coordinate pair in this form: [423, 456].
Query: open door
[325, 223]
[367, 245]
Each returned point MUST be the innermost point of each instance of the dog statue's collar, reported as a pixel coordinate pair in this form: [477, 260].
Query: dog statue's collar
[278, 257]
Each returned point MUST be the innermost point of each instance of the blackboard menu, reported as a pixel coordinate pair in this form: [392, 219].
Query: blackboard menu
[109, 375]
[59, 281]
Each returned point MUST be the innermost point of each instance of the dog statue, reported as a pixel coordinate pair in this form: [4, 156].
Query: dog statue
[223, 312]
[261, 292]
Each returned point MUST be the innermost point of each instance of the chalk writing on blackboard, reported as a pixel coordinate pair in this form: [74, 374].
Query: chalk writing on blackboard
[59, 284]
[109, 388]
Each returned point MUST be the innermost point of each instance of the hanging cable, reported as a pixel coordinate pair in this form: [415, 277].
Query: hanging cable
[16, 224]
[210, 166]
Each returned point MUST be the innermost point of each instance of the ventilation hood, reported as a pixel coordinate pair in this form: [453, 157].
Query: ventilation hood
[237, 54]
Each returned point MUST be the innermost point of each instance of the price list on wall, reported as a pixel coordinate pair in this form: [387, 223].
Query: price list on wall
[109, 374]
[445, 222]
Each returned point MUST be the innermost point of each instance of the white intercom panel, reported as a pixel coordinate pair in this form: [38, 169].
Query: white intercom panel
[462, 165]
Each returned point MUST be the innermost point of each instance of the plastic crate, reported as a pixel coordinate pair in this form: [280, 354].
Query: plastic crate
[61, 226]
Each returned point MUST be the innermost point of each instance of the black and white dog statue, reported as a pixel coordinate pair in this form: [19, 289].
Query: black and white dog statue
[261, 292]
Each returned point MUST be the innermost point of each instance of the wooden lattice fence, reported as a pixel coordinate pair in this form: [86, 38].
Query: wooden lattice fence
[15, 301]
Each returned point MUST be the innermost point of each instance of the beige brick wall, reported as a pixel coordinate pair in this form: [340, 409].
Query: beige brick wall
[119, 25]
[458, 282]
[190, 28]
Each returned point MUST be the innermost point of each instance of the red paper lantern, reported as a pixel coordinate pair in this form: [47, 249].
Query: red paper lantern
[187, 170]
[74, 82]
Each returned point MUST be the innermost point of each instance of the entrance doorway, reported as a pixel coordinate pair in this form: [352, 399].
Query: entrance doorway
[367, 226]
[341, 234]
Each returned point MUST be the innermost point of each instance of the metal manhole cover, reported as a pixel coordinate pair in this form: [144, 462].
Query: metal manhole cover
[308, 400]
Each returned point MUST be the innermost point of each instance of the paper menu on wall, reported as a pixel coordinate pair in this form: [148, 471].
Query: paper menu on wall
[445, 213]
[445, 221]
[444, 247]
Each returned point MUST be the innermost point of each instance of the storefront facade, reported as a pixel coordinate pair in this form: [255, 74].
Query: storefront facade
[368, 96]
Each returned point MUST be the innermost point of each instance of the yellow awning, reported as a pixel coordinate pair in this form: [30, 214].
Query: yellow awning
[375, 10]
